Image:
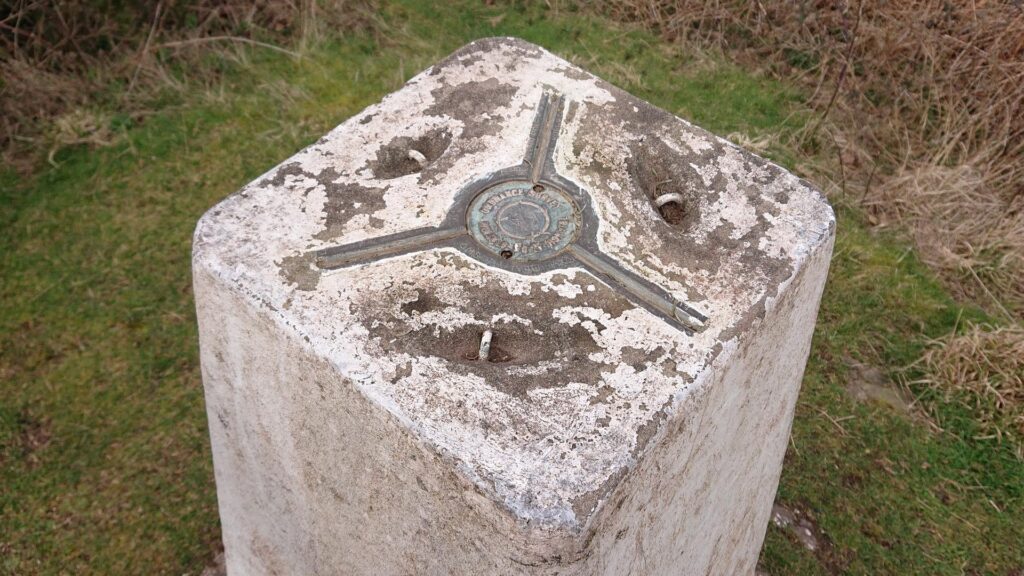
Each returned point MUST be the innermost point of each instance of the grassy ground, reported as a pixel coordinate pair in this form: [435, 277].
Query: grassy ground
[104, 458]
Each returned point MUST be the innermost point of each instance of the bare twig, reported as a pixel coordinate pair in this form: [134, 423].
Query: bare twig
[867, 187]
[842, 71]
[67, 29]
[842, 165]
[145, 48]
[208, 39]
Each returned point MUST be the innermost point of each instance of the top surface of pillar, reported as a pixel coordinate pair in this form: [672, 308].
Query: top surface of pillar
[615, 252]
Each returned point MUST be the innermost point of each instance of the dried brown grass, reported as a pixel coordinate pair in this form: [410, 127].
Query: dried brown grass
[982, 368]
[971, 235]
[67, 67]
[924, 100]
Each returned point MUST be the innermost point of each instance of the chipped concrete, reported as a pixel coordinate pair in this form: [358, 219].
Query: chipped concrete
[354, 429]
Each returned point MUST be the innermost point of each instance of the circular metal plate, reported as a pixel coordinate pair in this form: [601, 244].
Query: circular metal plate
[518, 220]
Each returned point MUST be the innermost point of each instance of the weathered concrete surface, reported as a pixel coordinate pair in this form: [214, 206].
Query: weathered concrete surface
[353, 430]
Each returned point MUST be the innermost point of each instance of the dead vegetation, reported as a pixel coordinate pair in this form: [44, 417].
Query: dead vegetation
[918, 120]
[77, 72]
[920, 102]
[982, 368]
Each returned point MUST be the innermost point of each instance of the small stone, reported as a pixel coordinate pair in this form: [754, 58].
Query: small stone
[800, 527]
[870, 384]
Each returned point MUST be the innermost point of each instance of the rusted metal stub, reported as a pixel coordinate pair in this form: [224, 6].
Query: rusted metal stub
[526, 219]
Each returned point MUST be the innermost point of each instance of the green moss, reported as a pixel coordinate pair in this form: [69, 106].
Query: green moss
[104, 457]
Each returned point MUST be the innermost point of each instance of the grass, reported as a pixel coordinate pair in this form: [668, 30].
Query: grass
[893, 495]
[984, 369]
[104, 458]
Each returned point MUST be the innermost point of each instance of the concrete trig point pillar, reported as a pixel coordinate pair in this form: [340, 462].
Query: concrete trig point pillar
[511, 320]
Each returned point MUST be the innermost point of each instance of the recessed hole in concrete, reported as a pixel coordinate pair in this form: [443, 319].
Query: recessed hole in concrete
[407, 155]
[667, 183]
[510, 344]
[506, 254]
[523, 354]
